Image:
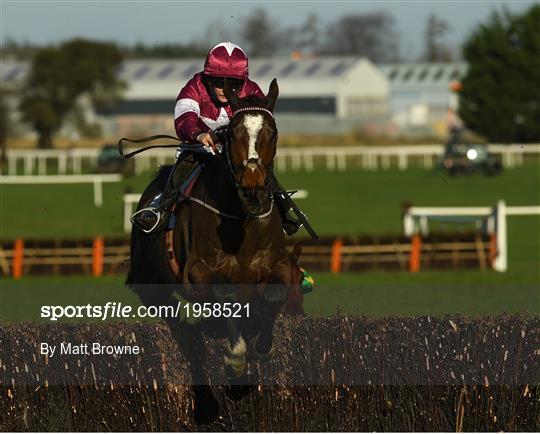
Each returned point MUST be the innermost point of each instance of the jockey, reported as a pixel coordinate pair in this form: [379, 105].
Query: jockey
[201, 108]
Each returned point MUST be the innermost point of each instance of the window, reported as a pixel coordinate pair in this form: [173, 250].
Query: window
[438, 74]
[11, 75]
[313, 69]
[408, 74]
[423, 74]
[141, 72]
[393, 74]
[165, 72]
[455, 74]
[289, 68]
[191, 70]
[338, 69]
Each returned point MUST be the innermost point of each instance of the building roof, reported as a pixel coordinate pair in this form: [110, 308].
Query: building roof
[420, 74]
[281, 67]
[182, 69]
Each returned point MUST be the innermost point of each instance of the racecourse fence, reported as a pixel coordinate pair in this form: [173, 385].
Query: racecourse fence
[111, 256]
[346, 373]
[75, 161]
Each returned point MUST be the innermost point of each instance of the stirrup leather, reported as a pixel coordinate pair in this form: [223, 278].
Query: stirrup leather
[150, 209]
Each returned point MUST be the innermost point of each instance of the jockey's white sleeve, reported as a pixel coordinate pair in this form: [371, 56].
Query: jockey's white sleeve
[185, 105]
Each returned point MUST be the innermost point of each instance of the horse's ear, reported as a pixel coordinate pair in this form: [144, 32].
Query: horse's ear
[231, 96]
[272, 94]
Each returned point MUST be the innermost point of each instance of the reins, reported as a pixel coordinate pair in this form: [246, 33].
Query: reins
[198, 146]
[151, 139]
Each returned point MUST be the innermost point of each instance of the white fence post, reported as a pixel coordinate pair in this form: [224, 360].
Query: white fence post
[300, 158]
[501, 261]
[98, 192]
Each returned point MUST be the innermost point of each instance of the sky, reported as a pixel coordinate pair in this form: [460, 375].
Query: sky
[128, 22]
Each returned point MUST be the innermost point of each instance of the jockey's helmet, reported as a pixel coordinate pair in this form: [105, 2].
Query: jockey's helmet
[226, 60]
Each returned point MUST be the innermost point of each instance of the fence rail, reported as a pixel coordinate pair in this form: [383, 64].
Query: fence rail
[302, 158]
[99, 256]
[96, 179]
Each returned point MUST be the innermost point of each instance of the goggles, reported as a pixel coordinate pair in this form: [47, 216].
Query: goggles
[219, 82]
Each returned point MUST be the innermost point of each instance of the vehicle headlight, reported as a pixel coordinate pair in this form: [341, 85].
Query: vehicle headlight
[472, 154]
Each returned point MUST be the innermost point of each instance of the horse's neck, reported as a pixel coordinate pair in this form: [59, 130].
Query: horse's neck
[216, 187]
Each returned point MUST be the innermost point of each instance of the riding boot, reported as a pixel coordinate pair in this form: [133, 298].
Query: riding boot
[290, 224]
[156, 216]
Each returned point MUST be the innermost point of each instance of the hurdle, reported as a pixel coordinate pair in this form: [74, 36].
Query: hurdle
[490, 220]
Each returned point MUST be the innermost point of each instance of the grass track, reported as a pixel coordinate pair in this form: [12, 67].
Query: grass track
[348, 203]
[377, 294]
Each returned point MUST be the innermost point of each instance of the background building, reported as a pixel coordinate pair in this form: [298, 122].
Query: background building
[422, 100]
[318, 95]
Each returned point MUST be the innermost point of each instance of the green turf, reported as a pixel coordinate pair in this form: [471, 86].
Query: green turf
[373, 293]
[350, 202]
[339, 203]
[429, 292]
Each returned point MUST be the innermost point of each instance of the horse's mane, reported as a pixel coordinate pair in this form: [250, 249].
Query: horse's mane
[162, 171]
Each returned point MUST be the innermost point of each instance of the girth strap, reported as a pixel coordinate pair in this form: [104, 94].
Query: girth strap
[169, 247]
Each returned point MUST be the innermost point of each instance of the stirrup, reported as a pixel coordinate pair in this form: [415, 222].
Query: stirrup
[150, 209]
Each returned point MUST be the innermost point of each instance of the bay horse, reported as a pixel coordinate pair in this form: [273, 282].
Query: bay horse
[229, 242]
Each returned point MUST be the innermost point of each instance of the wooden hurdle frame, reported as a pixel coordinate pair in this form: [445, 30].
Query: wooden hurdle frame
[492, 219]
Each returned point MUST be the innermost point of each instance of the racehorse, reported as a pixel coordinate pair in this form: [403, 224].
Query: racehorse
[229, 241]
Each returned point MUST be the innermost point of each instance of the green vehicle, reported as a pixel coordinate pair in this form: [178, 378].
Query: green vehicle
[110, 161]
[463, 159]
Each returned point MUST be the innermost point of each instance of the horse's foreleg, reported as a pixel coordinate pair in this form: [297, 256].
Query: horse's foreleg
[265, 311]
[223, 292]
[191, 343]
[236, 349]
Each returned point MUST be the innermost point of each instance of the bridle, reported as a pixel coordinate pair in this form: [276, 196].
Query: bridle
[227, 147]
[233, 171]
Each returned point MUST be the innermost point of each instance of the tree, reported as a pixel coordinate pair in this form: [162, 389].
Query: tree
[60, 76]
[307, 35]
[435, 49]
[260, 34]
[165, 50]
[372, 35]
[500, 96]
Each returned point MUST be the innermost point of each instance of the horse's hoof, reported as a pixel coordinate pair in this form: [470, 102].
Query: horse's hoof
[258, 353]
[206, 408]
[236, 393]
[238, 388]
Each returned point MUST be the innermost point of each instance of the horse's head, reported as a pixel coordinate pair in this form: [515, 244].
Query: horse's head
[253, 138]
